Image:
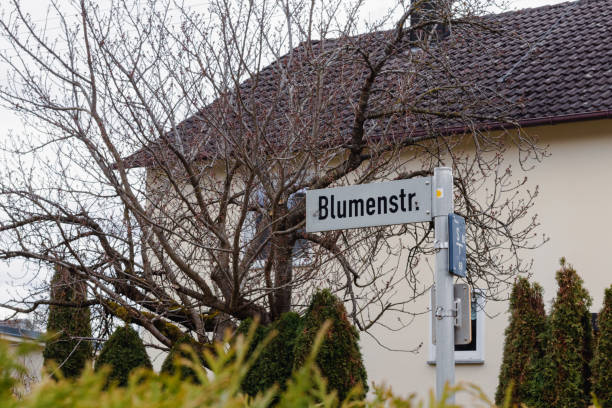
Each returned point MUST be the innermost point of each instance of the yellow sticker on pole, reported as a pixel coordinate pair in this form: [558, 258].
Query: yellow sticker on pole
[439, 193]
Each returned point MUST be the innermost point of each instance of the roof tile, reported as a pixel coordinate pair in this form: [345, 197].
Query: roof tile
[551, 62]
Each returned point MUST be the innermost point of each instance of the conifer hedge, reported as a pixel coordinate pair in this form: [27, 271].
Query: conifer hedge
[220, 389]
[339, 357]
[602, 360]
[123, 352]
[69, 325]
[177, 352]
[275, 363]
[566, 376]
[258, 336]
[523, 347]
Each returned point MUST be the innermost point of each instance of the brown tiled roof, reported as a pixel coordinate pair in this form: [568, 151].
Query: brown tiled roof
[543, 65]
[566, 68]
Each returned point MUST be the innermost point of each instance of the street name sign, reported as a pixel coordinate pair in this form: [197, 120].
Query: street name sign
[368, 205]
[420, 199]
[456, 245]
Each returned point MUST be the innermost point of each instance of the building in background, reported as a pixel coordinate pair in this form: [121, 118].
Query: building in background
[16, 331]
[558, 71]
[562, 75]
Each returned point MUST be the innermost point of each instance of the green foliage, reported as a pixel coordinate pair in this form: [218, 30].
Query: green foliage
[602, 360]
[535, 393]
[10, 372]
[290, 344]
[275, 363]
[523, 347]
[66, 348]
[181, 351]
[123, 352]
[566, 372]
[339, 357]
[221, 389]
[257, 337]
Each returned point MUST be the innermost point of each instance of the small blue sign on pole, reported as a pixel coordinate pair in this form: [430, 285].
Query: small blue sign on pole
[456, 245]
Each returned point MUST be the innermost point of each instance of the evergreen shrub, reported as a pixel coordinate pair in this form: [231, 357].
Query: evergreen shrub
[123, 352]
[182, 350]
[221, 389]
[258, 336]
[602, 359]
[523, 347]
[275, 363]
[68, 326]
[566, 371]
[339, 357]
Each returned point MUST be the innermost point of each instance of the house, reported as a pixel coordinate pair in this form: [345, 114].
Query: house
[554, 64]
[17, 331]
[565, 78]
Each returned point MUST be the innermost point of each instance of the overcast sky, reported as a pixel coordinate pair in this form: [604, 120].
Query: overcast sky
[13, 276]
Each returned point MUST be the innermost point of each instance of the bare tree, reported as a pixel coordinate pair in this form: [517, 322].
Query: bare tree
[167, 153]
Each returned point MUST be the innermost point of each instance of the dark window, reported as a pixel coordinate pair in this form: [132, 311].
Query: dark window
[262, 234]
[471, 346]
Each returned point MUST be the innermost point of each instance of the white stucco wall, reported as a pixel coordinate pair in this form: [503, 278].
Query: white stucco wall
[32, 362]
[573, 205]
[575, 197]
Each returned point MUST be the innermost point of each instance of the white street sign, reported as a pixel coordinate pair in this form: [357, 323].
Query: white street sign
[368, 205]
[402, 202]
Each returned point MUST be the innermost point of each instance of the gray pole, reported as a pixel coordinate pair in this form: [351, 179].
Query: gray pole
[442, 205]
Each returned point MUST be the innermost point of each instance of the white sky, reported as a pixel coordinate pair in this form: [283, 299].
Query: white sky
[13, 276]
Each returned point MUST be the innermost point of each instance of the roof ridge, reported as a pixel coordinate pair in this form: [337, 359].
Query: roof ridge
[539, 8]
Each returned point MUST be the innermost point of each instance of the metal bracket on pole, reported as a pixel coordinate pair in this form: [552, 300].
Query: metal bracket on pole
[461, 313]
[457, 312]
[441, 245]
[463, 319]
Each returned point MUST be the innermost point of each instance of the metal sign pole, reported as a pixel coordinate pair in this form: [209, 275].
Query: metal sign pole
[442, 205]
[401, 202]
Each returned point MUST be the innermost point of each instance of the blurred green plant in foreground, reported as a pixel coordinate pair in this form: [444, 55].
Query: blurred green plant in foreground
[218, 387]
